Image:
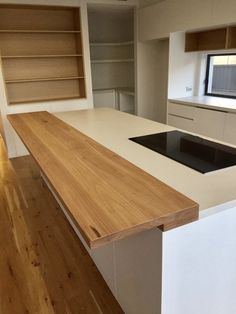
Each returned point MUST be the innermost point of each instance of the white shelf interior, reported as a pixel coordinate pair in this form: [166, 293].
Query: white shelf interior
[112, 60]
[99, 44]
[111, 33]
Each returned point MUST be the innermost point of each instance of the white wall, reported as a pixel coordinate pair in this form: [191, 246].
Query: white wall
[161, 19]
[184, 68]
[152, 79]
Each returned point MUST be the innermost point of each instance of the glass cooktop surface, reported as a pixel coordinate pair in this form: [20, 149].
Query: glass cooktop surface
[192, 151]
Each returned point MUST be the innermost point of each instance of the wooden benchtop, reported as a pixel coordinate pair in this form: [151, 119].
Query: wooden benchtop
[107, 197]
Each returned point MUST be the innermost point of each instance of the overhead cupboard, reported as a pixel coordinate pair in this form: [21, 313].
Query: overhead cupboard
[41, 53]
[213, 39]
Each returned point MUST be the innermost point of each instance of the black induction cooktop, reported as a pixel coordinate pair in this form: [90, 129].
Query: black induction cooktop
[192, 151]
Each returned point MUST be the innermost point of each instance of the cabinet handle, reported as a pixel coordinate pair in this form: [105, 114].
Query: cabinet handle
[178, 116]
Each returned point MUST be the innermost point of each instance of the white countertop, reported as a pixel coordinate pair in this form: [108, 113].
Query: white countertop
[217, 103]
[112, 129]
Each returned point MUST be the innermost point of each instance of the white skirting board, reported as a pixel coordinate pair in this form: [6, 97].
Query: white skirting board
[188, 270]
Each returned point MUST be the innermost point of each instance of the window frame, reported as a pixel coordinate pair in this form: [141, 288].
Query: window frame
[207, 75]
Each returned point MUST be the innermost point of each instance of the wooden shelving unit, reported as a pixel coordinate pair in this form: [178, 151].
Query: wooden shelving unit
[215, 39]
[32, 100]
[42, 54]
[43, 79]
[38, 31]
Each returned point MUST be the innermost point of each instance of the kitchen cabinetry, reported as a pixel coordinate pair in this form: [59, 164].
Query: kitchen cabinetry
[125, 100]
[206, 40]
[104, 98]
[181, 122]
[230, 128]
[118, 98]
[181, 117]
[211, 123]
[214, 39]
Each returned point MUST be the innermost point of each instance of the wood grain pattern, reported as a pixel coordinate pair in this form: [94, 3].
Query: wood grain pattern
[44, 268]
[206, 40]
[42, 42]
[231, 38]
[107, 197]
[215, 39]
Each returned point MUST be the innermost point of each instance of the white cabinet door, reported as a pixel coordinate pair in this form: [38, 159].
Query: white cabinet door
[210, 123]
[201, 121]
[181, 116]
[126, 102]
[230, 128]
[181, 122]
[104, 98]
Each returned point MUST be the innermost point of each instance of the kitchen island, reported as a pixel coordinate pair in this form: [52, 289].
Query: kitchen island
[189, 269]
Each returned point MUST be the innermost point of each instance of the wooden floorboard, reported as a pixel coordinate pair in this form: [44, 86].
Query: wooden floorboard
[44, 268]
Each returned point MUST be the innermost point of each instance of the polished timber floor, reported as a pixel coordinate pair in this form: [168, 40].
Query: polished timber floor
[43, 266]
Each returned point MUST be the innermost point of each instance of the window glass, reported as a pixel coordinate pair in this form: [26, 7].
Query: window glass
[221, 76]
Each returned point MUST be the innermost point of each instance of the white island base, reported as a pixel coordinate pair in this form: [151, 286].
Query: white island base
[187, 270]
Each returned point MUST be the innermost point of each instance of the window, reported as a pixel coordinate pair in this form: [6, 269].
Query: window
[221, 75]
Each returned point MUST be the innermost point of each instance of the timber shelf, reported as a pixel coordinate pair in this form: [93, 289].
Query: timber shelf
[42, 56]
[32, 100]
[42, 53]
[44, 79]
[19, 31]
[213, 39]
